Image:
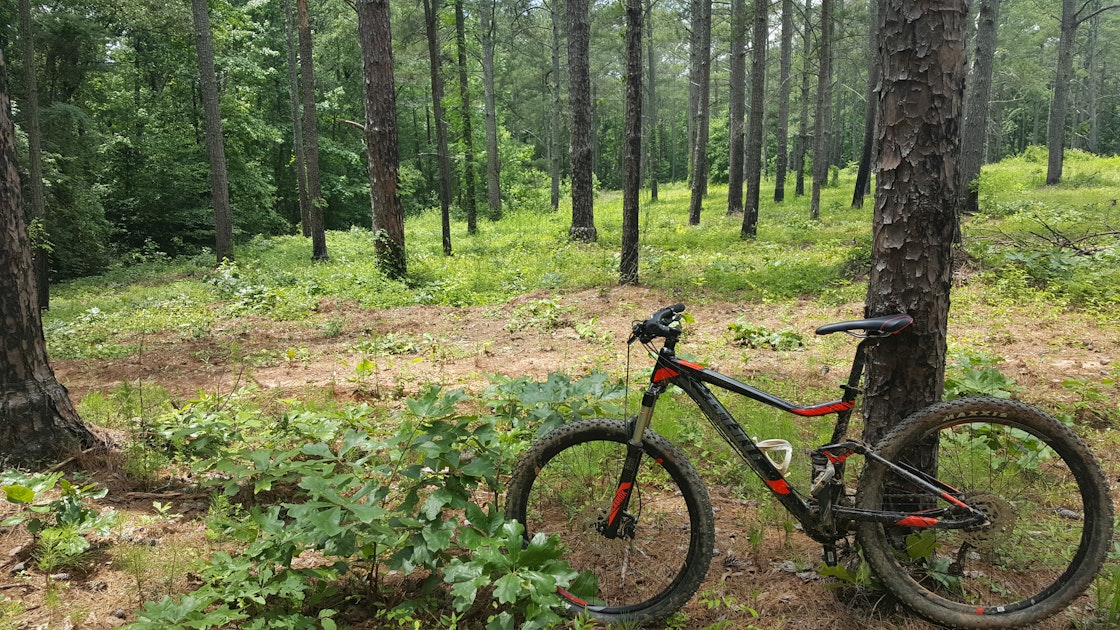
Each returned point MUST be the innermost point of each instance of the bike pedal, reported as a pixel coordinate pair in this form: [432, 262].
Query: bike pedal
[829, 555]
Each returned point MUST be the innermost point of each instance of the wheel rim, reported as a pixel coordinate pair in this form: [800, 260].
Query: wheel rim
[1038, 524]
[571, 497]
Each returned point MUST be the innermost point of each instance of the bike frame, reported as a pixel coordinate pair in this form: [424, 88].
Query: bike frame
[817, 512]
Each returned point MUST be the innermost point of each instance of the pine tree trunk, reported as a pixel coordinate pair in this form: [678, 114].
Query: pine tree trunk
[737, 105]
[863, 174]
[37, 421]
[781, 159]
[632, 148]
[431, 19]
[699, 175]
[920, 108]
[297, 124]
[653, 135]
[215, 144]
[469, 205]
[311, 134]
[493, 163]
[802, 144]
[757, 114]
[974, 129]
[822, 134]
[554, 119]
[1056, 132]
[579, 104]
[375, 38]
[40, 257]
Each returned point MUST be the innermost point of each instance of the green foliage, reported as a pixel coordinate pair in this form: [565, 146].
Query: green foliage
[363, 500]
[61, 526]
[757, 336]
[523, 575]
[544, 314]
[972, 373]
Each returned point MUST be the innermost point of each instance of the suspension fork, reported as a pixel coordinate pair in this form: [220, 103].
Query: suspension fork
[634, 451]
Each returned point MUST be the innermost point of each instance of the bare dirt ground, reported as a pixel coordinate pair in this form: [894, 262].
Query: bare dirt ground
[457, 347]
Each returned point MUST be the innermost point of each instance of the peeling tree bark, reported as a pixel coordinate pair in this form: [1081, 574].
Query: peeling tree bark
[921, 92]
[37, 421]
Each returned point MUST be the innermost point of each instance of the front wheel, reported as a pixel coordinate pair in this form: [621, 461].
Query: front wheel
[1047, 509]
[564, 486]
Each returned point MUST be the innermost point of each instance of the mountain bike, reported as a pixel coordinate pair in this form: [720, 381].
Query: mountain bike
[1008, 525]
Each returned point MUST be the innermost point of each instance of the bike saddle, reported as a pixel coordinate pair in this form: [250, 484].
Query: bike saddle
[872, 327]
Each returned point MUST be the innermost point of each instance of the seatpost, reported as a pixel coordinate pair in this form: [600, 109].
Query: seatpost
[851, 388]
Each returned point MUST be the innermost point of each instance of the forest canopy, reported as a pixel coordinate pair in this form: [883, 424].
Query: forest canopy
[125, 166]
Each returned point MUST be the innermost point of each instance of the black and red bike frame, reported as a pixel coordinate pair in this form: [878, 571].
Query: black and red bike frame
[818, 512]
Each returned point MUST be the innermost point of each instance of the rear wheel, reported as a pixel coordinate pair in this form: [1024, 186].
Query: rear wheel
[1048, 509]
[564, 486]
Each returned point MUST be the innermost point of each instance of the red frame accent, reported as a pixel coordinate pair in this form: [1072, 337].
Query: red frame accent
[917, 521]
[619, 498]
[824, 409]
[778, 485]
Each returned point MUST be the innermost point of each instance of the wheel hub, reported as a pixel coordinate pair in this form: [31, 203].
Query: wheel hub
[1001, 515]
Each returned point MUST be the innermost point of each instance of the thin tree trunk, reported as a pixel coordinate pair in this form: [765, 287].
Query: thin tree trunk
[632, 155]
[695, 11]
[802, 145]
[920, 106]
[215, 144]
[37, 420]
[1093, 77]
[375, 38]
[39, 252]
[781, 160]
[754, 136]
[737, 106]
[822, 134]
[1072, 18]
[469, 204]
[493, 163]
[554, 119]
[431, 14]
[654, 135]
[699, 176]
[311, 133]
[579, 104]
[297, 125]
[863, 174]
[1056, 132]
[977, 96]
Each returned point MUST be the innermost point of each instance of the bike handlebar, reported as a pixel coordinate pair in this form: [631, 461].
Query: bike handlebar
[658, 325]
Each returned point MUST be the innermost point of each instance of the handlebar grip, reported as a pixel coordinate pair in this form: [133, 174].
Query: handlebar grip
[658, 324]
[665, 315]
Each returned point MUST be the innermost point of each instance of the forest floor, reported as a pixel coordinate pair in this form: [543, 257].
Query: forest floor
[458, 347]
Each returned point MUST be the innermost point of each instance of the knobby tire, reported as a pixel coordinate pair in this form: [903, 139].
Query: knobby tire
[564, 485]
[1044, 493]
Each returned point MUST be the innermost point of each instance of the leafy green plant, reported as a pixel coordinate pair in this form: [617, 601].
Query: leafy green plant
[757, 336]
[61, 526]
[388, 344]
[972, 373]
[524, 576]
[544, 314]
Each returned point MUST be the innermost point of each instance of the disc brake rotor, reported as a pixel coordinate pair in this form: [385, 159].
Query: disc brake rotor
[1001, 520]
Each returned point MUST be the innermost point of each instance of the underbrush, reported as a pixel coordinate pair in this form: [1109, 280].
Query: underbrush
[330, 516]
